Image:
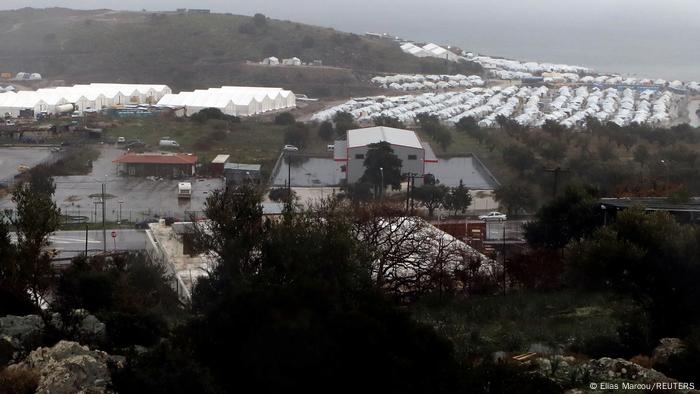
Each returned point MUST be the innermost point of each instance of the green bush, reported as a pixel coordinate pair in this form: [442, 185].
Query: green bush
[285, 119]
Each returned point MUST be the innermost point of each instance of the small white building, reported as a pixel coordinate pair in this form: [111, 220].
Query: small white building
[413, 152]
[271, 61]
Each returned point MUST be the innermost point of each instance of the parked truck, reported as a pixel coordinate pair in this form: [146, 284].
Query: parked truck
[184, 190]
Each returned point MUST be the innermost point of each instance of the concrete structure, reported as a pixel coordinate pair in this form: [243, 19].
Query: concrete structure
[237, 173]
[414, 153]
[172, 247]
[167, 165]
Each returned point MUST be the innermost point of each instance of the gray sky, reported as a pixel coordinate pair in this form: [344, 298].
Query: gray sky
[643, 37]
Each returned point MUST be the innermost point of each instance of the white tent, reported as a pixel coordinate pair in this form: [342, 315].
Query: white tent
[232, 100]
[95, 96]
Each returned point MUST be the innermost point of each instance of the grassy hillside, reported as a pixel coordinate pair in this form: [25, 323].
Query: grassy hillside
[192, 51]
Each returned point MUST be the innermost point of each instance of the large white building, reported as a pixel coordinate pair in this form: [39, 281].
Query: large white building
[231, 100]
[95, 96]
[413, 152]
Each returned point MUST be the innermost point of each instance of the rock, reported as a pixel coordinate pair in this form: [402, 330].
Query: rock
[544, 365]
[68, 367]
[89, 329]
[25, 330]
[667, 347]
[28, 330]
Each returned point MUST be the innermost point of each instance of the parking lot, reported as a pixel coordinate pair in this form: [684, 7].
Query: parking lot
[136, 198]
[323, 172]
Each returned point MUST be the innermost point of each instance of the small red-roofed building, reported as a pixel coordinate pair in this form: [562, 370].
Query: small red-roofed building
[165, 165]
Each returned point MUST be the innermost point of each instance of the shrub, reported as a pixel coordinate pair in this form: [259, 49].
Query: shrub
[18, 381]
[285, 119]
[326, 131]
[217, 135]
[280, 194]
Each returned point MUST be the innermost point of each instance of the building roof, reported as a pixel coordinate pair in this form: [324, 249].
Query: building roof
[157, 158]
[220, 159]
[373, 135]
[242, 167]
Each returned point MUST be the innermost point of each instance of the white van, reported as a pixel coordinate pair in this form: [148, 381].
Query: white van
[184, 190]
[171, 143]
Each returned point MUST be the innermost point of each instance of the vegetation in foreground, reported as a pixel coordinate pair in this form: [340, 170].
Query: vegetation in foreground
[301, 303]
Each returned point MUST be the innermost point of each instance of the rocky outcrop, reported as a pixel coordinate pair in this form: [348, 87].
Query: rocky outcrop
[591, 375]
[21, 330]
[667, 348]
[27, 331]
[68, 368]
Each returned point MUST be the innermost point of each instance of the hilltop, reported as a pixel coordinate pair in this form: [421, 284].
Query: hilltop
[188, 51]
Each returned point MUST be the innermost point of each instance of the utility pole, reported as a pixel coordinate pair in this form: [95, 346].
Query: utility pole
[104, 227]
[289, 177]
[408, 189]
[504, 258]
[410, 186]
[556, 171]
[86, 239]
[413, 189]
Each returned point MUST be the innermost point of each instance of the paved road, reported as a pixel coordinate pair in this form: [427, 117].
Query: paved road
[72, 243]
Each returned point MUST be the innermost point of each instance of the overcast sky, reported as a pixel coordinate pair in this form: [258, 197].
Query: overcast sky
[642, 36]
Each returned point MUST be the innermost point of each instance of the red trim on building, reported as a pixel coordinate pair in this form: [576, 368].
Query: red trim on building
[155, 158]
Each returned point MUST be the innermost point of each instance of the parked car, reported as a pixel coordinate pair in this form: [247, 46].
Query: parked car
[121, 140]
[493, 216]
[135, 144]
[166, 142]
[143, 225]
[290, 148]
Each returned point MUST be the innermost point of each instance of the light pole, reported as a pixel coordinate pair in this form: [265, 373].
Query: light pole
[288, 154]
[605, 214]
[381, 192]
[665, 164]
[120, 212]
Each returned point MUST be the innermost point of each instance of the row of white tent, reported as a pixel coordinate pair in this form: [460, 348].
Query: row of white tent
[490, 63]
[409, 82]
[231, 100]
[508, 69]
[94, 96]
[23, 76]
[526, 67]
[273, 61]
[528, 106]
[430, 50]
